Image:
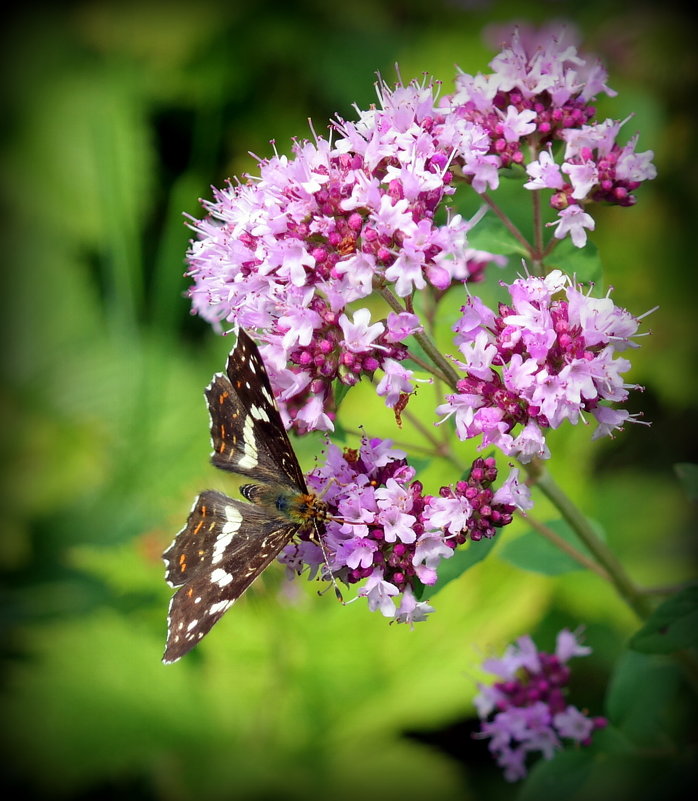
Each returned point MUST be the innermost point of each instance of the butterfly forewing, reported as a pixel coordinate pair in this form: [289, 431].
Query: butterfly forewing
[247, 432]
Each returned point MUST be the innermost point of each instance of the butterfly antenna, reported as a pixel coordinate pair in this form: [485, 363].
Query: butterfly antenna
[326, 557]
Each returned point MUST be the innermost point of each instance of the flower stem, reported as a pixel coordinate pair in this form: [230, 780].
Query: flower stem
[428, 367]
[509, 225]
[601, 552]
[448, 373]
[563, 545]
[537, 254]
[441, 449]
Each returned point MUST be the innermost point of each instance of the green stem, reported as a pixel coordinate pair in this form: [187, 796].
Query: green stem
[554, 538]
[441, 449]
[449, 375]
[599, 550]
[550, 247]
[428, 367]
[670, 589]
[509, 225]
[537, 255]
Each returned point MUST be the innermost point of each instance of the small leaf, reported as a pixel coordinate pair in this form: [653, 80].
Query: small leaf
[340, 433]
[557, 778]
[340, 392]
[492, 235]
[420, 463]
[583, 263]
[641, 696]
[463, 559]
[671, 627]
[688, 476]
[533, 552]
[611, 740]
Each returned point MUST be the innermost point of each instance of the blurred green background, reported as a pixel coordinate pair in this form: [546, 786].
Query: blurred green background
[118, 116]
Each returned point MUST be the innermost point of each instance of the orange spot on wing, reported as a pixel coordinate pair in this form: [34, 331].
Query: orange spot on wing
[223, 397]
[198, 527]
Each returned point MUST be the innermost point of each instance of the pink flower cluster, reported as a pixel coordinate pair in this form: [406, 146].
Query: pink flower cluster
[286, 251]
[387, 533]
[531, 711]
[540, 92]
[549, 356]
[598, 170]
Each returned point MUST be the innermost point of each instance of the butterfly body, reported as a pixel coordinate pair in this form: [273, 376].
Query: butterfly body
[226, 544]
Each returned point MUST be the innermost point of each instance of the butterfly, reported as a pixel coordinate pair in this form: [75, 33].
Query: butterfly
[226, 544]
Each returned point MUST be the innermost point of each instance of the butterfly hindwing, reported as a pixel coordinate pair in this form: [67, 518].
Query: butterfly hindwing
[222, 549]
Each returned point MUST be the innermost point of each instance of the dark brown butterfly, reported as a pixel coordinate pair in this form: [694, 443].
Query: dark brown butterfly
[227, 543]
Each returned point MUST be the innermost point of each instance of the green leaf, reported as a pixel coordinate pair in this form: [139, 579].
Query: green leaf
[583, 263]
[415, 348]
[531, 551]
[640, 696]
[557, 778]
[463, 559]
[491, 234]
[420, 463]
[611, 740]
[340, 433]
[672, 626]
[340, 392]
[688, 476]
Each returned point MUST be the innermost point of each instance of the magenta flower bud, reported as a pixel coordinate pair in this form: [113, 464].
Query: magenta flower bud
[355, 222]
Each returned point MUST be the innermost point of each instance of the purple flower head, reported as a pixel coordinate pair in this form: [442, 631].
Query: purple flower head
[541, 90]
[529, 703]
[287, 250]
[549, 356]
[396, 382]
[540, 86]
[386, 532]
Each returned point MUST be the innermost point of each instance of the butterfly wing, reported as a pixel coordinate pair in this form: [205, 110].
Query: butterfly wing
[247, 432]
[223, 547]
